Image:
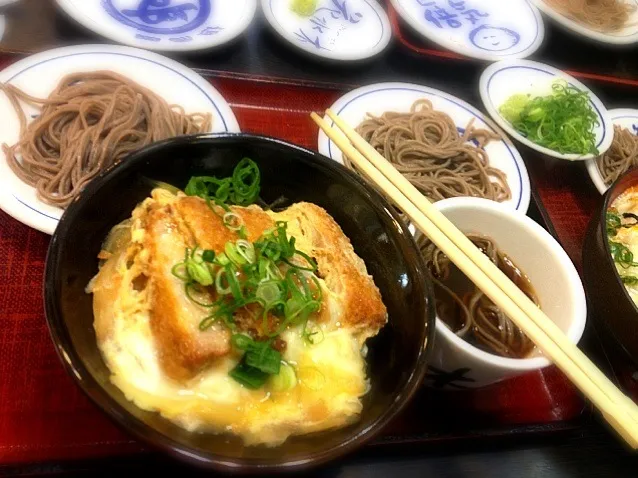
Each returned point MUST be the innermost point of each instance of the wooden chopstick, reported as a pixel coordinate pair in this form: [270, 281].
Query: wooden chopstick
[618, 409]
[481, 260]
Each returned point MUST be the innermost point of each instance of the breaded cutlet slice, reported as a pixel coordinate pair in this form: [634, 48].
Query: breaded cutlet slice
[165, 225]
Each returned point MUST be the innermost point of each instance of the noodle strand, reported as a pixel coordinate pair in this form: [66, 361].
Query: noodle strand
[426, 147]
[90, 122]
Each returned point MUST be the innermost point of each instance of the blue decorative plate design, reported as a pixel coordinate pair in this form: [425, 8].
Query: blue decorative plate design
[344, 30]
[483, 29]
[164, 24]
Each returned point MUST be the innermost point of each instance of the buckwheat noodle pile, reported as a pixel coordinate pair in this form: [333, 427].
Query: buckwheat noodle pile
[89, 122]
[426, 147]
[602, 15]
[621, 156]
[467, 311]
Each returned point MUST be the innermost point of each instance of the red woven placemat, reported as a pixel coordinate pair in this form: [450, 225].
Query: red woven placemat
[45, 417]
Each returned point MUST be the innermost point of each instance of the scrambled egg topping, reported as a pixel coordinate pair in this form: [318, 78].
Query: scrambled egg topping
[330, 375]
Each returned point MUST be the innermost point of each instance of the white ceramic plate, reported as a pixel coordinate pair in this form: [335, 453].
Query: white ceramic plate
[505, 78]
[483, 29]
[626, 118]
[39, 74]
[164, 25]
[625, 36]
[345, 30]
[379, 98]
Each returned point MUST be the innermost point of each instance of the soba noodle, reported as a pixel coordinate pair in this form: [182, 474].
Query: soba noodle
[620, 157]
[467, 311]
[602, 15]
[89, 122]
[426, 147]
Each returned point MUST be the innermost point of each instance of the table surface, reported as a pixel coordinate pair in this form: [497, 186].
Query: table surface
[564, 191]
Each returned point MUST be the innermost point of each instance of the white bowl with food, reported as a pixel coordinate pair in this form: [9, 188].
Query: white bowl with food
[546, 109]
[614, 22]
[117, 88]
[443, 145]
[245, 304]
[622, 154]
[476, 344]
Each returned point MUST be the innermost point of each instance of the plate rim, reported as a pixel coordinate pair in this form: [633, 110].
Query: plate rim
[386, 38]
[592, 167]
[496, 67]
[27, 213]
[417, 26]
[323, 142]
[581, 30]
[69, 8]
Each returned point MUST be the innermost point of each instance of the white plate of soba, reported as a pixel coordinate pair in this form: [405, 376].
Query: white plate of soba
[443, 145]
[103, 102]
[622, 155]
[612, 21]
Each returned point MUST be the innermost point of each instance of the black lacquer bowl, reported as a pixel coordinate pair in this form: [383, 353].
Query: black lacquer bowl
[397, 357]
[614, 309]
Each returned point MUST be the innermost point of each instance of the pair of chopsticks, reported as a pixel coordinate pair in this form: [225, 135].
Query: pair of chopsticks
[618, 409]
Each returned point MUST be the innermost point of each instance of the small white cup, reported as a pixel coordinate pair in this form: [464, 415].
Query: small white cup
[454, 363]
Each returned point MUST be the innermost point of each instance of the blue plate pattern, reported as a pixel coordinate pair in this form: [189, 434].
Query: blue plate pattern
[176, 20]
[482, 29]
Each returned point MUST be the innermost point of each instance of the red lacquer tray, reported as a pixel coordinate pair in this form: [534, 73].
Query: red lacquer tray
[45, 417]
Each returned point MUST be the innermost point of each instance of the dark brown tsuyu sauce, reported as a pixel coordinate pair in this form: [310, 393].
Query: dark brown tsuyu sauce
[471, 314]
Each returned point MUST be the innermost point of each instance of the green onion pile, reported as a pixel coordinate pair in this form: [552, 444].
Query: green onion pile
[619, 252]
[304, 8]
[563, 121]
[270, 273]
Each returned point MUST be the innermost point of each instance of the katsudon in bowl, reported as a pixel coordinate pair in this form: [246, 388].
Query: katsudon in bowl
[239, 301]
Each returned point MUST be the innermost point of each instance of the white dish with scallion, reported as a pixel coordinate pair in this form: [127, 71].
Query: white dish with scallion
[546, 109]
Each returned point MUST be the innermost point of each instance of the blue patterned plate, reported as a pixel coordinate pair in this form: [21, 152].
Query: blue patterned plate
[483, 29]
[168, 25]
[625, 118]
[380, 98]
[345, 30]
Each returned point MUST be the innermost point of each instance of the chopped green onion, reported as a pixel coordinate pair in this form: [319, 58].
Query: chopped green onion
[563, 121]
[194, 294]
[629, 280]
[233, 221]
[313, 336]
[246, 250]
[269, 292]
[219, 284]
[622, 255]
[242, 188]
[613, 223]
[285, 380]
[265, 272]
[264, 358]
[207, 322]
[246, 178]
[241, 341]
[259, 355]
[249, 377]
[235, 288]
[233, 255]
[199, 272]
[179, 271]
[222, 259]
[208, 256]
